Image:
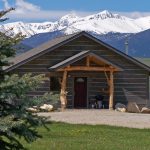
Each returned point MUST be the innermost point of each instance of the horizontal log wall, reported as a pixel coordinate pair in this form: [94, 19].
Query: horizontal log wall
[130, 84]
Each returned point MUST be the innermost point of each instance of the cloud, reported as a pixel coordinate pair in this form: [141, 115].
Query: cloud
[30, 12]
[23, 7]
[26, 11]
[135, 14]
[43, 15]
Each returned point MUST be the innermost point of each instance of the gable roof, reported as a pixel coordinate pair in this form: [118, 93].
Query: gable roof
[57, 42]
[38, 51]
[80, 56]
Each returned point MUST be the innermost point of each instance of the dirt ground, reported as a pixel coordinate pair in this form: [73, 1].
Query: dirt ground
[95, 117]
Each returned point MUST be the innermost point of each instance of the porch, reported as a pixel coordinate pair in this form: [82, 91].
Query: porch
[78, 68]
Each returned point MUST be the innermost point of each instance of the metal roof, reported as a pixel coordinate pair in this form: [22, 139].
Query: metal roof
[70, 60]
[36, 52]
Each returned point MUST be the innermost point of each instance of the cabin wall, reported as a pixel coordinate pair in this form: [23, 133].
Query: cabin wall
[130, 84]
[95, 83]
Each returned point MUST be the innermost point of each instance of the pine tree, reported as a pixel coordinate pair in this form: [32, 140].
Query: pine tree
[15, 121]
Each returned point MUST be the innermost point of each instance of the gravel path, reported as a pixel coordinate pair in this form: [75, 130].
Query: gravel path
[94, 117]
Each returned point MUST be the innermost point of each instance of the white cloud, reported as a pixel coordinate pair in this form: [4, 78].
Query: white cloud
[23, 7]
[26, 11]
[135, 14]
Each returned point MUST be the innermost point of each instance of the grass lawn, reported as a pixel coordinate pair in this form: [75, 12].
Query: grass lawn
[145, 61]
[87, 137]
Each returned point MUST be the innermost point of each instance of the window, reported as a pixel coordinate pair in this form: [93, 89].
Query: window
[55, 84]
[80, 80]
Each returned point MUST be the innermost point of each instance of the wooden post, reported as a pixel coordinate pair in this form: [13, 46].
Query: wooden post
[107, 78]
[87, 61]
[63, 94]
[111, 91]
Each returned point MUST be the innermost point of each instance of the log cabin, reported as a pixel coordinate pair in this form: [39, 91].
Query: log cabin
[80, 66]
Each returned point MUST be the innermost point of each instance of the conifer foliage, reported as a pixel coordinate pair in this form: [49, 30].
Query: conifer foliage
[15, 121]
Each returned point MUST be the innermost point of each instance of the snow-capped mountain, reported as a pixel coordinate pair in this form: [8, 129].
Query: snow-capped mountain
[100, 23]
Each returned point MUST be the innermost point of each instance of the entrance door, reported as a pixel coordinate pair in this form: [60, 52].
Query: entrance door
[80, 92]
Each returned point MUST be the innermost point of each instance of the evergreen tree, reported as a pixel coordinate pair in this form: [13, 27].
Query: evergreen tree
[15, 121]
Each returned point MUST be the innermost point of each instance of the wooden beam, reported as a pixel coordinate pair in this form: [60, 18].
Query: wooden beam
[86, 68]
[63, 94]
[111, 91]
[97, 61]
[87, 61]
[107, 78]
[68, 66]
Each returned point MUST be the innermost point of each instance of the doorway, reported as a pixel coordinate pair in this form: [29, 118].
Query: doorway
[80, 92]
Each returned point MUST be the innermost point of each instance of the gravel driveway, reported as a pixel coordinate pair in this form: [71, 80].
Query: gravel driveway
[94, 117]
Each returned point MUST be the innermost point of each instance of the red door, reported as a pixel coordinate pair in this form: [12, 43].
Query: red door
[80, 92]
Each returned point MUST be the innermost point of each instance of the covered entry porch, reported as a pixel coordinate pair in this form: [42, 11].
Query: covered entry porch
[85, 62]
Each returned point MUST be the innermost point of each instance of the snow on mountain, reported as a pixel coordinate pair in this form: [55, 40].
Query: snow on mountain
[144, 22]
[103, 15]
[100, 23]
[105, 22]
[67, 20]
[28, 29]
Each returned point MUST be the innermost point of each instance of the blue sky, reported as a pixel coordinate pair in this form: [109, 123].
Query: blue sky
[94, 5]
[46, 10]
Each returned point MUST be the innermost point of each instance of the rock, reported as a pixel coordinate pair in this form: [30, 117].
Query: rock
[32, 110]
[47, 107]
[36, 107]
[145, 110]
[120, 107]
[133, 107]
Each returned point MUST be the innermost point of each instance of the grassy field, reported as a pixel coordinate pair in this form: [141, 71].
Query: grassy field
[87, 137]
[144, 60]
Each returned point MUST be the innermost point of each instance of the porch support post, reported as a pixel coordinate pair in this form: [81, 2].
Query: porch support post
[87, 61]
[63, 94]
[111, 91]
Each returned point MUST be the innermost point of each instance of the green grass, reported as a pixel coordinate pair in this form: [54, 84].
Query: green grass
[146, 61]
[87, 137]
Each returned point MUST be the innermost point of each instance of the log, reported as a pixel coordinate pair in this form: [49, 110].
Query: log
[86, 68]
[88, 61]
[63, 94]
[108, 82]
[111, 88]
[97, 61]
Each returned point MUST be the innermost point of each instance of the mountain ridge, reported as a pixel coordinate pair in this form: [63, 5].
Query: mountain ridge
[99, 23]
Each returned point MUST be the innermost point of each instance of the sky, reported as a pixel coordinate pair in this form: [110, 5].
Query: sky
[50, 10]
